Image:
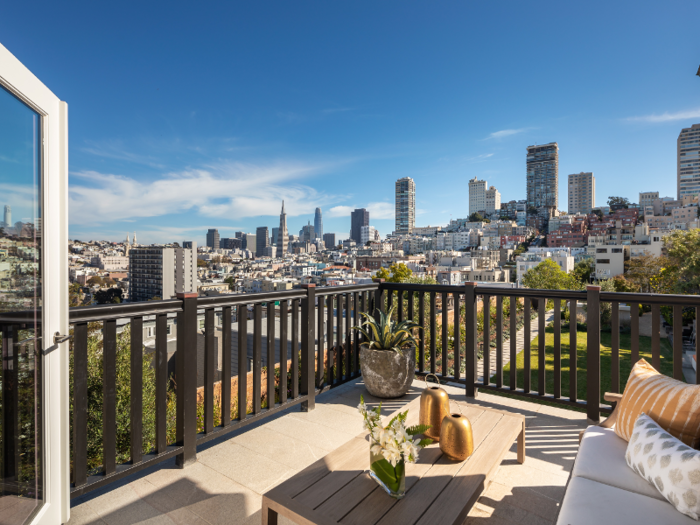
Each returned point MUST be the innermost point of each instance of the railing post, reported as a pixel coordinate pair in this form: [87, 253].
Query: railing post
[308, 342]
[186, 379]
[378, 299]
[470, 355]
[593, 353]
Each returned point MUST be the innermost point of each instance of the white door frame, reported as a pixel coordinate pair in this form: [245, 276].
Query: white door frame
[54, 257]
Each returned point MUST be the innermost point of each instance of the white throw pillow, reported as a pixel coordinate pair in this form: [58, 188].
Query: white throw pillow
[667, 463]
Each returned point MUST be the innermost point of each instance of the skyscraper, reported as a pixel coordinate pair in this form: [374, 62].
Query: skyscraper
[477, 195]
[358, 219]
[543, 176]
[282, 235]
[307, 233]
[405, 205]
[8, 216]
[688, 162]
[581, 193]
[318, 224]
[212, 238]
[262, 240]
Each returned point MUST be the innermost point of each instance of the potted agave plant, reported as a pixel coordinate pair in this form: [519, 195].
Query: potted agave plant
[387, 354]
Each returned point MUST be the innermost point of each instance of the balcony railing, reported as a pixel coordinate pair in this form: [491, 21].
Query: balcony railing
[131, 410]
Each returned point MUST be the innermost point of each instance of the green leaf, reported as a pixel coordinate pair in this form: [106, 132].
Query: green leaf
[424, 442]
[385, 472]
[417, 429]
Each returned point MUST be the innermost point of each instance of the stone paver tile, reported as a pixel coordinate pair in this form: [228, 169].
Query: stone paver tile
[160, 499]
[112, 501]
[251, 469]
[547, 484]
[480, 515]
[208, 494]
[323, 415]
[278, 447]
[83, 514]
[318, 435]
[522, 497]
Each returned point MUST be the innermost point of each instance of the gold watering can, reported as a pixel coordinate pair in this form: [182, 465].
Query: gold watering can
[434, 406]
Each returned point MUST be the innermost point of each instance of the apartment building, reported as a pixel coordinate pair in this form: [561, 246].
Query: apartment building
[405, 205]
[213, 238]
[581, 192]
[647, 198]
[688, 161]
[493, 200]
[610, 260]
[477, 195]
[367, 234]
[157, 271]
[110, 262]
[534, 256]
[542, 165]
[329, 240]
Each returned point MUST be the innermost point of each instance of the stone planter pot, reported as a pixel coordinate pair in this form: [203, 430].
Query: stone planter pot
[387, 373]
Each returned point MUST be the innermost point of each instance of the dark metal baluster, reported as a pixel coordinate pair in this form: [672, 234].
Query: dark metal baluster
[409, 312]
[348, 348]
[342, 348]
[80, 402]
[499, 341]
[242, 314]
[573, 350]
[526, 347]
[593, 393]
[136, 389]
[541, 348]
[557, 348]
[109, 397]
[432, 333]
[226, 366]
[615, 350]
[284, 366]
[656, 336]
[257, 358]
[513, 369]
[161, 363]
[295, 348]
[209, 369]
[634, 333]
[697, 344]
[308, 345]
[320, 335]
[421, 333]
[445, 336]
[456, 333]
[678, 342]
[470, 369]
[270, 354]
[486, 339]
[331, 358]
[356, 335]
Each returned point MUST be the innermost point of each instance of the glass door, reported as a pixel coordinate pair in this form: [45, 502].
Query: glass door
[34, 444]
[21, 468]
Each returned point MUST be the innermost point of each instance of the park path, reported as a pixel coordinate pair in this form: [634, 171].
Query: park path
[520, 344]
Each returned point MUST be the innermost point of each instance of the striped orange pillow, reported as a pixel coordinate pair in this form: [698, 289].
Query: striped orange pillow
[674, 405]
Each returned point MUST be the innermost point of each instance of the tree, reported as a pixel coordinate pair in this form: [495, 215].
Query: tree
[548, 276]
[109, 295]
[621, 284]
[231, 282]
[476, 217]
[618, 201]
[683, 261]
[641, 270]
[75, 295]
[599, 213]
[400, 273]
[583, 270]
[95, 280]
[201, 263]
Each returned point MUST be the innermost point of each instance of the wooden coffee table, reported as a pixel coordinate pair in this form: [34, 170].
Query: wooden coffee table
[337, 488]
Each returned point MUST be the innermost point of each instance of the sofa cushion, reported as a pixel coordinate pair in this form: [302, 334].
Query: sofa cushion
[667, 464]
[588, 502]
[601, 457]
[674, 405]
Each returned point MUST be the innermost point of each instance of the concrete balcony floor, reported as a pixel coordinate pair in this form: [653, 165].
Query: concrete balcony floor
[231, 474]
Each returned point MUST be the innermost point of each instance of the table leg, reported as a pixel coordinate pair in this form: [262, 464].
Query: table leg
[521, 445]
[269, 516]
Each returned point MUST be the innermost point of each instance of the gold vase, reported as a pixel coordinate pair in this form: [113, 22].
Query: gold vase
[434, 406]
[456, 438]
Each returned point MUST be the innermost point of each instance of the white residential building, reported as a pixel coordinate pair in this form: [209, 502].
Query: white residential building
[477, 195]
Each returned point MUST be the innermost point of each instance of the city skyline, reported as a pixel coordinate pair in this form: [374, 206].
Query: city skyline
[165, 157]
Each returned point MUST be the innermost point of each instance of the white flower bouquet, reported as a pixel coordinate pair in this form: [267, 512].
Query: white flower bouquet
[391, 447]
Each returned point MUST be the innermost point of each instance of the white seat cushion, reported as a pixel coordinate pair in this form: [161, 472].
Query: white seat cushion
[601, 457]
[588, 502]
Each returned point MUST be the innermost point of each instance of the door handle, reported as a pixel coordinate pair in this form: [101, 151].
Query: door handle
[58, 338]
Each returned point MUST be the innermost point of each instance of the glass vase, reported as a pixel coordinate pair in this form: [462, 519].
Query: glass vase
[391, 479]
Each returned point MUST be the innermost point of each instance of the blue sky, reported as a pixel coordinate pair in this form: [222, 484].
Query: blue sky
[185, 117]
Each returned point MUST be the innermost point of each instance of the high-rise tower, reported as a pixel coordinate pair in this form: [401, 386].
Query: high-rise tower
[543, 176]
[358, 219]
[405, 205]
[8, 216]
[581, 193]
[282, 235]
[212, 238]
[318, 224]
[688, 162]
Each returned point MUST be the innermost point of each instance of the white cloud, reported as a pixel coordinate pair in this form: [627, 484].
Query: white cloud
[668, 117]
[377, 210]
[506, 133]
[231, 190]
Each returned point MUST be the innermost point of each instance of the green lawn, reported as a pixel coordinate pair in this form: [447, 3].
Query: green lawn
[605, 362]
